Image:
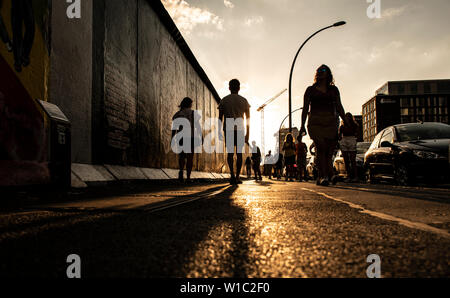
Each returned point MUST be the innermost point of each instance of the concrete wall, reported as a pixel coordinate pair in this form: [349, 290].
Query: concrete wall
[118, 74]
[146, 75]
[71, 74]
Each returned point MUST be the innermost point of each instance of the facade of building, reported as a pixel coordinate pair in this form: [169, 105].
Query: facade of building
[406, 102]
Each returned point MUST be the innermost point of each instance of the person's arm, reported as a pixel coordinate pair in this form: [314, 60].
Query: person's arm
[174, 132]
[221, 124]
[305, 111]
[339, 107]
[356, 130]
[247, 117]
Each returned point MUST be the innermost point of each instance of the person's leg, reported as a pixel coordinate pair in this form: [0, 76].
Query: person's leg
[238, 167]
[230, 160]
[189, 165]
[352, 157]
[29, 31]
[347, 163]
[329, 168]
[321, 159]
[181, 163]
[16, 23]
[258, 167]
[3, 32]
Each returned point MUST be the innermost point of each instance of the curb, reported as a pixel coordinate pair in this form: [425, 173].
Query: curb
[85, 175]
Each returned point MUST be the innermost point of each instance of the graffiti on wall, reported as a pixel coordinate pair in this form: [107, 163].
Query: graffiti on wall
[24, 65]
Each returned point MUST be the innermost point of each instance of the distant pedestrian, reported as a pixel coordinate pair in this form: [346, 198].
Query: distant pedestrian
[289, 156]
[301, 150]
[186, 156]
[232, 109]
[347, 141]
[322, 105]
[256, 160]
[268, 164]
[248, 166]
[279, 166]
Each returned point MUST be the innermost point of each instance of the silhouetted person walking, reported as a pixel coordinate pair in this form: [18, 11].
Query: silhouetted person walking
[186, 157]
[22, 17]
[232, 110]
[322, 102]
[248, 166]
[279, 166]
[347, 142]
[301, 150]
[256, 160]
[268, 164]
[289, 156]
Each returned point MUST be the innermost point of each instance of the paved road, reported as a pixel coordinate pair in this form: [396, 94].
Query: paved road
[259, 229]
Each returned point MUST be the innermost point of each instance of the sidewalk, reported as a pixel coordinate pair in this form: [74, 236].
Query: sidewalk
[84, 175]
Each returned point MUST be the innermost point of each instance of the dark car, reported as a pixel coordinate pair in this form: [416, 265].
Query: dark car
[339, 164]
[408, 152]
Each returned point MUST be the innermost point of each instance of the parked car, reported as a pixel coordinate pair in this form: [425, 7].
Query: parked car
[408, 152]
[339, 164]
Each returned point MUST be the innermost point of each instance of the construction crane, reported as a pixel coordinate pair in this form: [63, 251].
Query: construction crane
[261, 109]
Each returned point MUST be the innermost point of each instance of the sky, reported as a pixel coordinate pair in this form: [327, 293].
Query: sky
[255, 41]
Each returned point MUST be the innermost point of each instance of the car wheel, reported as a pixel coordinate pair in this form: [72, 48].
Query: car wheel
[403, 176]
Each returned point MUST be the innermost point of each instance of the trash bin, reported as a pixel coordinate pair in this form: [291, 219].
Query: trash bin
[59, 145]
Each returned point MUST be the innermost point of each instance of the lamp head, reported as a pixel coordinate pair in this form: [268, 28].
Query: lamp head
[339, 23]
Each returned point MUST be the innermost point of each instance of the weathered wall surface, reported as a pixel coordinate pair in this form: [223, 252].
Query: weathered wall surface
[146, 75]
[119, 74]
[71, 74]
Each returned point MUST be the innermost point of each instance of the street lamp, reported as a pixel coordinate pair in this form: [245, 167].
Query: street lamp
[290, 130]
[292, 68]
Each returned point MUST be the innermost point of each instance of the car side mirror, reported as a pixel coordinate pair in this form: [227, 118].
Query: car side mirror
[386, 144]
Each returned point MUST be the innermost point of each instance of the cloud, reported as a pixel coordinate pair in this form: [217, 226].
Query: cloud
[228, 3]
[188, 17]
[393, 12]
[254, 21]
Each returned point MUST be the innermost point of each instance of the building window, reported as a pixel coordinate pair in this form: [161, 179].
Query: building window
[404, 102]
[404, 111]
[420, 102]
[420, 111]
[427, 88]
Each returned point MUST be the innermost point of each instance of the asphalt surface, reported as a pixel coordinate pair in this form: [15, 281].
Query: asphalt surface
[258, 229]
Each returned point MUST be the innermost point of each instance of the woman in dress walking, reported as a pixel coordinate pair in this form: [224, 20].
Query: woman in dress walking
[322, 106]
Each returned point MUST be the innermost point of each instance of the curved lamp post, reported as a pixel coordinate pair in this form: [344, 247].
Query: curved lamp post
[292, 68]
[290, 130]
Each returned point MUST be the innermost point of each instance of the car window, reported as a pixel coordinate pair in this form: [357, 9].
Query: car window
[388, 136]
[376, 141]
[427, 131]
[362, 147]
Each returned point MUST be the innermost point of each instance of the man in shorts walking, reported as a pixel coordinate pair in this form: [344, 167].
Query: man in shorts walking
[232, 110]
